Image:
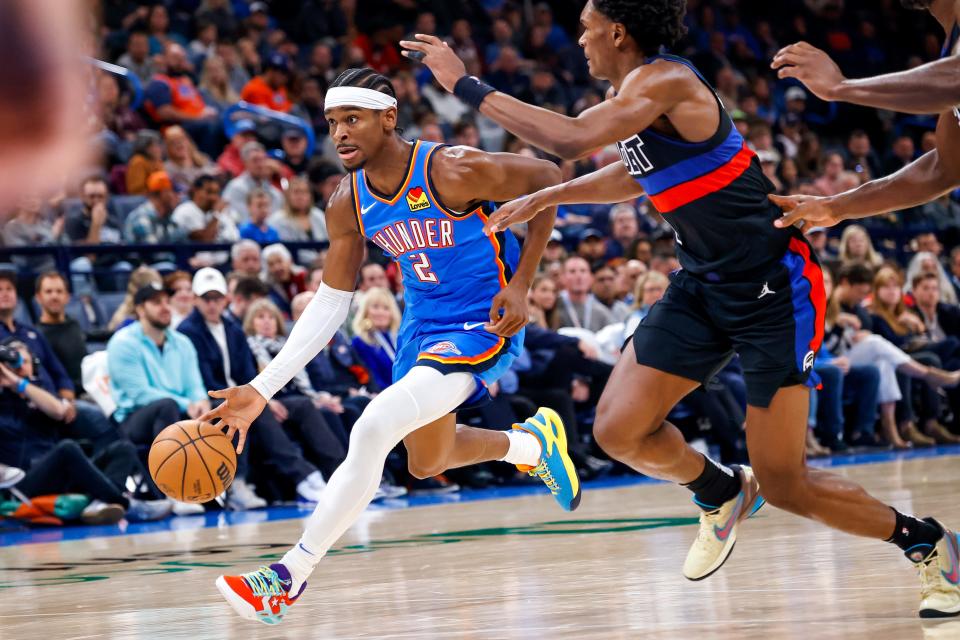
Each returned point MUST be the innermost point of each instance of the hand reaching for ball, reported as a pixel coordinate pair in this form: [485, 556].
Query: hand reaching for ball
[240, 407]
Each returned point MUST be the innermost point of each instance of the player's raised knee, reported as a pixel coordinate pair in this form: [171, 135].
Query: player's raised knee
[423, 469]
[784, 491]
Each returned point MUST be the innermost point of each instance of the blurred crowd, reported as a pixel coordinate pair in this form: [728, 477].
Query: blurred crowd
[112, 325]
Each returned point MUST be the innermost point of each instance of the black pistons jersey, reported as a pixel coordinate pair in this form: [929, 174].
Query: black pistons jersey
[712, 193]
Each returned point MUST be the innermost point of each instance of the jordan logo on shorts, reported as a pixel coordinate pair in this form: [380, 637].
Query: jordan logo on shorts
[767, 291]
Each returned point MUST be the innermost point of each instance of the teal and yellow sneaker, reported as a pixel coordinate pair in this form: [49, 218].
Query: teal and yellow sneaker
[555, 468]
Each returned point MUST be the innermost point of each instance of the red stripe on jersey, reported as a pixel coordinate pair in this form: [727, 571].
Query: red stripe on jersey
[818, 295]
[692, 190]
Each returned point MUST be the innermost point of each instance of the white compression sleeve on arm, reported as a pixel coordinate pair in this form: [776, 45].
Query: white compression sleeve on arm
[311, 333]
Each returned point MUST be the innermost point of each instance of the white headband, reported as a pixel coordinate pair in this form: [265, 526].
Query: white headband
[358, 97]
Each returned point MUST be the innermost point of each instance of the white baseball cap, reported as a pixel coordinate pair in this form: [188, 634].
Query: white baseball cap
[209, 279]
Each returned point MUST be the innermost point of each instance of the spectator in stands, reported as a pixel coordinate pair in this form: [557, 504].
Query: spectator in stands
[592, 246]
[955, 270]
[225, 360]
[465, 133]
[605, 290]
[63, 333]
[230, 162]
[152, 222]
[544, 310]
[926, 262]
[158, 25]
[861, 158]
[244, 292]
[293, 143]
[624, 229]
[819, 241]
[147, 159]
[941, 319]
[298, 220]
[220, 14]
[324, 177]
[205, 218]
[372, 275]
[314, 279]
[256, 174]
[29, 227]
[31, 416]
[284, 278]
[184, 162]
[375, 328]
[245, 258]
[94, 224]
[578, 306]
[125, 313]
[179, 286]
[204, 44]
[137, 57]
[120, 122]
[650, 288]
[215, 84]
[257, 228]
[834, 179]
[902, 152]
[270, 89]
[628, 273]
[172, 98]
[928, 241]
[855, 246]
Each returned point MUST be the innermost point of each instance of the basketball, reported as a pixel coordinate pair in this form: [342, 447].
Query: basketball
[192, 461]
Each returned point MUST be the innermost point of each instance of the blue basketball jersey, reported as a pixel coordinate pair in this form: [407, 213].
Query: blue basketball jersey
[451, 270]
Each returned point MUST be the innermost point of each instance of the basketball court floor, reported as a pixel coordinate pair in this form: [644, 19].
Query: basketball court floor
[471, 566]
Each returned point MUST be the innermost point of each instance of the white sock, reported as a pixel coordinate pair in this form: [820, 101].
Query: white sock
[524, 448]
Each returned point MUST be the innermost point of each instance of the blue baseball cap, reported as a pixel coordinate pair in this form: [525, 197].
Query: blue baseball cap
[242, 126]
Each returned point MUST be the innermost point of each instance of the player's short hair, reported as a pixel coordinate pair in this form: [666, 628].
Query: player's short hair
[856, 273]
[365, 78]
[651, 23]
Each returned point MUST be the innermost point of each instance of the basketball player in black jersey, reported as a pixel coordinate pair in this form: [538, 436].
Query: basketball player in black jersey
[746, 287]
[930, 88]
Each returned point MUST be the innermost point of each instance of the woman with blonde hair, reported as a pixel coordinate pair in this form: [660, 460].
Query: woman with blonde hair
[125, 313]
[375, 330]
[184, 162]
[856, 246]
[299, 220]
[544, 311]
[215, 84]
[266, 334]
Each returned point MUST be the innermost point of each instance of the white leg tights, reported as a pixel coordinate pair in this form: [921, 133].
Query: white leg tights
[419, 398]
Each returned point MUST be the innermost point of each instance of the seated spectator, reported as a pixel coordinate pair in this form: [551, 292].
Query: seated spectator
[204, 44]
[137, 56]
[314, 278]
[172, 98]
[861, 158]
[955, 270]
[230, 162]
[243, 293]
[29, 227]
[94, 223]
[942, 328]
[284, 278]
[578, 306]
[293, 144]
[205, 218]
[834, 179]
[119, 122]
[256, 227]
[624, 229]
[152, 222]
[375, 330]
[125, 313]
[270, 89]
[324, 177]
[926, 262]
[147, 159]
[605, 290]
[184, 163]
[256, 174]
[299, 220]
[31, 416]
[544, 311]
[855, 246]
[628, 274]
[649, 288]
[63, 333]
[245, 258]
[225, 360]
[215, 84]
[592, 247]
[179, 286]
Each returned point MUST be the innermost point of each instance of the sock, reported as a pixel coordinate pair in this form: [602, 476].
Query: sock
[524, 448]
[301, 563]
[917, 538]
[714, 486]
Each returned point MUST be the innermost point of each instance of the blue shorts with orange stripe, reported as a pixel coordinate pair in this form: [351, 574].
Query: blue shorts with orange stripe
[463, 346]
[772, 319]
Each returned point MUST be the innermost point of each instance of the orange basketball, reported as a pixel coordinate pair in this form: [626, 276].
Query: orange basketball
[192, 461]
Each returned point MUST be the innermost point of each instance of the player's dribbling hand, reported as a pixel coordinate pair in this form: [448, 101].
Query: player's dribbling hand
[437, 55]
[240, 407]
[814, 211]
[514, 212]
[811, 66]
[513, 302]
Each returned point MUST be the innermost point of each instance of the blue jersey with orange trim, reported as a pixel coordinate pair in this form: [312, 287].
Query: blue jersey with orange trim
[712, 193]
[451, 270]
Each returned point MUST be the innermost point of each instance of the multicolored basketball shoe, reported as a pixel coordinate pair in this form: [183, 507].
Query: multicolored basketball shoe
[939, 571]
[718, 528]
[556, 469]
[262, 595]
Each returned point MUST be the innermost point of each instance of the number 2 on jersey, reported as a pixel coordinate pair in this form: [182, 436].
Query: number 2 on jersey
[421, 266]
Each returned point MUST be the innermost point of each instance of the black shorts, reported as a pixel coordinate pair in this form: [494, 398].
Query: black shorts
[774, 321]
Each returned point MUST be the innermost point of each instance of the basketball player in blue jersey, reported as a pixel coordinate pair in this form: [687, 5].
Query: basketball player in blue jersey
[929, 88]
[425, 205]
[746, 287]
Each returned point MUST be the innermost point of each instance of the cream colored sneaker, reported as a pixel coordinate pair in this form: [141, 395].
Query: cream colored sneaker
[939, 573]
[718, 529]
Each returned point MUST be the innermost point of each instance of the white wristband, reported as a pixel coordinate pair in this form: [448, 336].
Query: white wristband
[311, 333]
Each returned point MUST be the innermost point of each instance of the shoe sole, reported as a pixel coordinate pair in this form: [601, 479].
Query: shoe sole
[108, 515]
[731, 543]
[551, 415]
[936, 613]
[238, 604]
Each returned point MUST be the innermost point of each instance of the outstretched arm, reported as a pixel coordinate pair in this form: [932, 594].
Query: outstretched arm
[316, 327]
[930, 88]
[466, 175]
[615, 119]
[608, 185]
